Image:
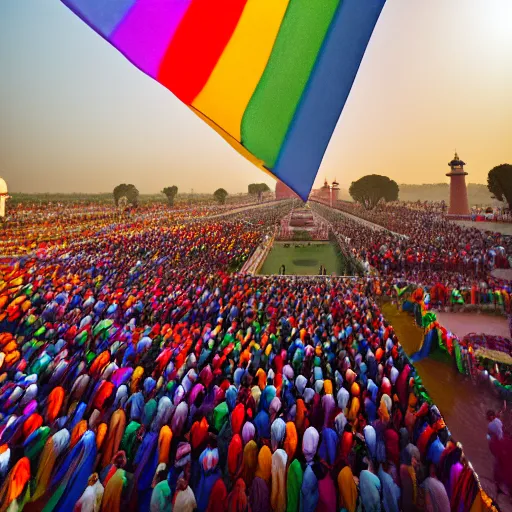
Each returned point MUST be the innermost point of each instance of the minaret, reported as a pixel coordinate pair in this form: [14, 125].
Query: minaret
[325, 192]
[459, 204]
[335, 192]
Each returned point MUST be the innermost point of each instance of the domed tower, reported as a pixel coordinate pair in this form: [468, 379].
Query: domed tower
[3, 197]
[325, 192]
[459, 204]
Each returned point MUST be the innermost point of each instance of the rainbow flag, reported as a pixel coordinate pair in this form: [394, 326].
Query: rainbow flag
[270, 76]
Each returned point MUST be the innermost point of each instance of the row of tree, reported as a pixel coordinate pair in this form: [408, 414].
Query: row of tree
[127, 194]
[370, 190]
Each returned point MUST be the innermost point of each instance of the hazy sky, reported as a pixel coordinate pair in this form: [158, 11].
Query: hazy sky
[76, 116]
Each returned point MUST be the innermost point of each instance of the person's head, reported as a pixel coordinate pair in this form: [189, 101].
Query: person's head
[161, 473]
[119, 459]
[93, 479]
[181, 485]
[491, 415]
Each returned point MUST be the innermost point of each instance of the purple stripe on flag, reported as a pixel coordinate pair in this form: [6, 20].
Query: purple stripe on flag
[103, 16]
[145, 33]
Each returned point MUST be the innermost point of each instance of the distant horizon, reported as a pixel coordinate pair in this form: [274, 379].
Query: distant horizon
[188, 192]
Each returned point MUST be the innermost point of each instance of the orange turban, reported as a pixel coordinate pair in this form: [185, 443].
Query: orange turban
[54, 405]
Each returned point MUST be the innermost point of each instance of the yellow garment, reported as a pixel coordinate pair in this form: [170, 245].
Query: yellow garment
[354, 409]
[137, 375]
[233, 81]
[250, 462]
[164, 444]
[383, 411]
[412, 474]
[44, 469]
[482, 503]
[264, 470]
[256, 394]
[347, 489]
[115, 434]
[113, 492]
[328, 387]
[278, 495]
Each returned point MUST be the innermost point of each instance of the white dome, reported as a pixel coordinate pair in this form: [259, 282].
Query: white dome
[3, 186]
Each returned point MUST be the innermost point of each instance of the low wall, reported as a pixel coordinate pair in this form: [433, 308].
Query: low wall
[254, 263]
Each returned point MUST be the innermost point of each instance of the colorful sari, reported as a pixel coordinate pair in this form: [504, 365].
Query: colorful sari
[278, 496]
[114, 436]
[347, 489]
[70, 481]
[14, 485]
[113, 495]
[52, 450]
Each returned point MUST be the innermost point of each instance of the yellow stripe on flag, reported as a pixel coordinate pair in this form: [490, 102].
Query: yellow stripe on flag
[231, 85]
[233, 142]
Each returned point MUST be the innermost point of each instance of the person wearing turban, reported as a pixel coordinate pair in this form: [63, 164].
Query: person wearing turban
[210, 473]
[91, 499]
[309, 494]
[293, 486]
[237, 499]
[310, 444]
[114, 436]
[235, 454]
[278, 495]
[277, 433]
[370, 489]
[347, 490]
[161, 494]
[218, 497]
[15, 485]
[291, 440]
[67, 484]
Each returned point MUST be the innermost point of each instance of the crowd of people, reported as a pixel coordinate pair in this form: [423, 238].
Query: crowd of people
[422, 248]
[424, 226]
[32, 227]
[137, 372]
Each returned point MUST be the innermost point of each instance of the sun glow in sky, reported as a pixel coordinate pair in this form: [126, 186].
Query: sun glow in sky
[76, 116]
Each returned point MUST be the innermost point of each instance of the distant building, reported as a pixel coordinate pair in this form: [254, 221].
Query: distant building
[327, 194]
[284, 192]
[4, 195]
[459, 204]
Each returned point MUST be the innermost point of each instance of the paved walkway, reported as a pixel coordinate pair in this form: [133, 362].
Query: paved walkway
[465, 323]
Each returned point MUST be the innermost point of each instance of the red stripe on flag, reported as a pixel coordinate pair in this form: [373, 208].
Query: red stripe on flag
[197, 45]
